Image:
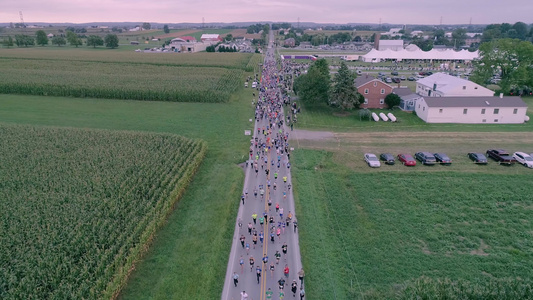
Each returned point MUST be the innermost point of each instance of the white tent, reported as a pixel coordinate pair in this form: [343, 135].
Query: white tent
[417, 54]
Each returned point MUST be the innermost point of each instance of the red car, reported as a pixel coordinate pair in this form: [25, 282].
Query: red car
[407, 159]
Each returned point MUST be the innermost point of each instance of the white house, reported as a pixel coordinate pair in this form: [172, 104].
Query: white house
[444, 85]
[393, 32]
[394, 45]
[472, 110]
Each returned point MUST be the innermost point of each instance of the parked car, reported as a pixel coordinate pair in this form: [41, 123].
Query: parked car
[372, 160]
[523, 158]
[388, 80]
[442, 158]
[387, 158]
[396, 80]
[478, 158]
[411, 78]
[429, 73]
[425, 158]
[501, 156]
[394, 73]
[381, 74]
[406, 159]
[402, 77]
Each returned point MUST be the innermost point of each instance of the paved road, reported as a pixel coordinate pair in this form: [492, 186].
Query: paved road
[256, 287]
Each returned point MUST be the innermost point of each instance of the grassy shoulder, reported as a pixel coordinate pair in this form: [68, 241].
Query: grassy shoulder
[364, 233]
[199, 231]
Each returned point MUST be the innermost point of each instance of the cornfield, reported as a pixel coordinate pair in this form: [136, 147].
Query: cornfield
[78, 207]
[118, 80]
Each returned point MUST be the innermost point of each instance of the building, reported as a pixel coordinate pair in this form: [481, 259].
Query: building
[290, 42]
[50, 35]
[472, 110]
[374, 91]
[393, 32]
[394, 45]
[187, 44]
[408, 98]
[208, 37]
[444, 85]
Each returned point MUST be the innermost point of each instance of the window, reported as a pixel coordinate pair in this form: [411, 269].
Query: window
[366, 101]
[495, 120]
[366, 91]
[465, 111]
[381, 101]
[382, 91]
[484, 120]
[464, 87]
[496, 111]
[375, 83]
[482, 111]
[515, 111]
[440, 111]
[424, 108]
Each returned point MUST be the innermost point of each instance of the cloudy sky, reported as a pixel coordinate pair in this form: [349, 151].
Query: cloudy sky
[329, 11]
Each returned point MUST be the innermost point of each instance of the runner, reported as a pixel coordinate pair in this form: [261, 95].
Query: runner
[286, 271]
[278, 256]
[252, 262]
[241, 262]
[235, 279]
[281, 283]
[269, 293]
[294, 288]
[272, 269]
[242, 240]
[258, 273]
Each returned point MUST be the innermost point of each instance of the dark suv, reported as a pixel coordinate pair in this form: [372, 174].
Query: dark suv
[426, 158]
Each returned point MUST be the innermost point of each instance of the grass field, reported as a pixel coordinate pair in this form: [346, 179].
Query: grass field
[202, 77]
[170, 268]
[368, 233]
[79, 206]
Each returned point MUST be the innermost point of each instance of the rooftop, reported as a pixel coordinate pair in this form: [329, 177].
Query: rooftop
[508, 101]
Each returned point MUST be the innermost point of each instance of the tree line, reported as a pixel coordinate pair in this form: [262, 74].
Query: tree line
[41, 39]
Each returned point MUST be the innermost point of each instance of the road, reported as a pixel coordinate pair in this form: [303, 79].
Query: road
[256, 287]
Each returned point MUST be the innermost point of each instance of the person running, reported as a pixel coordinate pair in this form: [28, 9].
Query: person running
[302, 293]
[278, 232]
[243, 238]
[301, 276]
[281, 295]
[258, 274]
[286, 271]
[244, 296]
[269, 204]
[261, 237]
[247, 247]
[254, 239]
[272, 269]
[277, 207]
[269, 293]
[241, 262]
[278, 256]
[284, 179]
[250, 226]
[272, 237]
[295, 223]
[252, 262]
[281, 212]
[255, 193]
[284, 249]
[261, 220]
[254, 218]
[242, 198]
[235, 279]
[294, 288]
[281, 283]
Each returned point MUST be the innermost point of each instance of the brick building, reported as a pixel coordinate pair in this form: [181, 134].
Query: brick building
[374, 91]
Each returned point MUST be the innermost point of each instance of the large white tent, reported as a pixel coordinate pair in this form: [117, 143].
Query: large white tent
[417, 54]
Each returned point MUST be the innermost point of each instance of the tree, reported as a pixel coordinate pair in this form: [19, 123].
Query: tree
[509, 58]
[313, 87]
[24, 40]
[94, 40]
[364, 114]
[111, 41]
[146, 26]
[8, 42]
[229, 37]
[343, 92]
[58, 40]
[392, 100]
[459, 37]
[73, 39]
[210, 48]
[165, 29]
[41, 37]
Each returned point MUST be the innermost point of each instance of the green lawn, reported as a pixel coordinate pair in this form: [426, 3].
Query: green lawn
[188, 257]
[364, 233]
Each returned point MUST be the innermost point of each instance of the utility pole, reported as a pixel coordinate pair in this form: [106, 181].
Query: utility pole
[22, 22]
[203, 22]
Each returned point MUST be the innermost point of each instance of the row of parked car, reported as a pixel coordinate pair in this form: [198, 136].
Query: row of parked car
[427, 158]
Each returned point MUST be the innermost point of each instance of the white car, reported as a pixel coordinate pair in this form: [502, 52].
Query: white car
[524, 159]
[372, 160]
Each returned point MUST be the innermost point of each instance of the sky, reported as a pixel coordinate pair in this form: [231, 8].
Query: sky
[318, 11]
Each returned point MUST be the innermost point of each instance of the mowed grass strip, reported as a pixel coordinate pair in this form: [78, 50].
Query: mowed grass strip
[80, 206]
[363, 234]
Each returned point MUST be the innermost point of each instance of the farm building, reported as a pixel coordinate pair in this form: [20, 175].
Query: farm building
[374, 91]
[50, 35]
[187, 45]
[210, 37]
[472, 110]
[444, 85]
[394, 45]
[290, 42]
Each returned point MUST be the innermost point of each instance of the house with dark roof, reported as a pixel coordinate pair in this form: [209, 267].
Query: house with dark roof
[374, 91]
[472, 110]
[408, 98]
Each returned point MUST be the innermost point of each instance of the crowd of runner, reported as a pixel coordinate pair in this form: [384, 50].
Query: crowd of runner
[269, 154]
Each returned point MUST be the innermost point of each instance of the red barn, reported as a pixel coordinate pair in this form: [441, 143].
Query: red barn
[374, 91]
